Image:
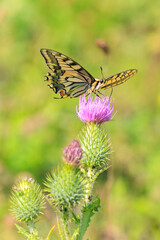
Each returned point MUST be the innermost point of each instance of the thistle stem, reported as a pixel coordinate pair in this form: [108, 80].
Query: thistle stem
[89, 186]
[65, 222]
[32, 229]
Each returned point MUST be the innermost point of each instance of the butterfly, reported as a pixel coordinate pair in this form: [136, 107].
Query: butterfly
[70, 79]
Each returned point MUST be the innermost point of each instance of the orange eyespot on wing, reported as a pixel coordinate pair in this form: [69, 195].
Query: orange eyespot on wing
[62, 92]
[118, 78]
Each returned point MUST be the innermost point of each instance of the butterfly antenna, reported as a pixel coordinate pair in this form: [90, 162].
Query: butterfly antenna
[102, 72]
[111, 86]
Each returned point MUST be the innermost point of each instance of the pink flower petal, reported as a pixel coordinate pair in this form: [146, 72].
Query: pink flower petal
[98, 110]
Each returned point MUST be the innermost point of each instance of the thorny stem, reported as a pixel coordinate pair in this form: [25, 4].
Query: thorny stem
[32, 229]
[65, 221]
[89, 186]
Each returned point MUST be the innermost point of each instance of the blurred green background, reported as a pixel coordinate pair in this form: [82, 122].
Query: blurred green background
[34, 127]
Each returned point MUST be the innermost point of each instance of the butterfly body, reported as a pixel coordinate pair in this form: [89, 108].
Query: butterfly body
[70, 79]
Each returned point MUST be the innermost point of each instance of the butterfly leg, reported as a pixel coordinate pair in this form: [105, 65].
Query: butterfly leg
[87, 94]
[97, 94]
[101, 93]
[111, 93]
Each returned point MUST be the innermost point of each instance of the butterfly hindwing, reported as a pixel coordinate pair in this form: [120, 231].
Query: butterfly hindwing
[66, 77]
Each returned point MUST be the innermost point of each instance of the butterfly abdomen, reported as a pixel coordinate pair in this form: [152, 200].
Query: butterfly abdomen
[118, 78]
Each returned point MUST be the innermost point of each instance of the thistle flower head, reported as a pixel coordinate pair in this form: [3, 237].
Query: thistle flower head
[98, 110]
[27, 200]
[65, 187]
[72, 153]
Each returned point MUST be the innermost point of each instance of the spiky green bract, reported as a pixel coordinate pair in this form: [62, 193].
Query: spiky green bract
[65, 187]
[95, 146]
[27, 200]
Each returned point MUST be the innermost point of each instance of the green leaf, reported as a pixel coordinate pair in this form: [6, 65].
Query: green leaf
[60, 229]
[27, 234]
[23, 231]
[49, 234]
[87, 212]
[75, 234]
[77, 219]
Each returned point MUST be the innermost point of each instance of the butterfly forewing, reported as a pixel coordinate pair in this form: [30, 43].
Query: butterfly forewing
[118, 78]
[67, 77]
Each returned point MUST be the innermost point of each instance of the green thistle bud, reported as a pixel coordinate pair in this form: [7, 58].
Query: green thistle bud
[27, 200]
[95, 146]
[65, 187]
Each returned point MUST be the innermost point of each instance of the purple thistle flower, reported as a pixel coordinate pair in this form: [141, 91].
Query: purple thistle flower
[98, 110]
[72, 153]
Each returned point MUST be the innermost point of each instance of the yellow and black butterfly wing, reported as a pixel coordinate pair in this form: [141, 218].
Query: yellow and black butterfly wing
[118, 78]
[67, 77]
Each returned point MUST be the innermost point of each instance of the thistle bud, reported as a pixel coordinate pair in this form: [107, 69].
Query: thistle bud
[27, 200]
[96, 147]
[65, 187]
[72, 153]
